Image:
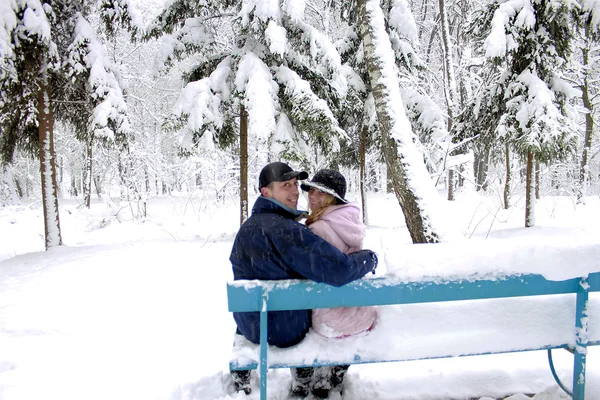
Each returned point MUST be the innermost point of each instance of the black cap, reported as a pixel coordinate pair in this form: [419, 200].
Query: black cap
[278, 172]
[330, 182]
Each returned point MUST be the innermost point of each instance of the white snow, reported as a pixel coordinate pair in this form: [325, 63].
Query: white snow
[200, 101]
[403, 21]
[87, 53]
[294, 9]
[8, 22]
[498, 41]
[137, 310]
[35, 21]
[254, 78]
[276, 37]
[593, 7]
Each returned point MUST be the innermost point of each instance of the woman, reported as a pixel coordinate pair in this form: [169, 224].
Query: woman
[338, 221]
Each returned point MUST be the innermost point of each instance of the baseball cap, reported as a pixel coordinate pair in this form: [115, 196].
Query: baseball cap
[278, 172]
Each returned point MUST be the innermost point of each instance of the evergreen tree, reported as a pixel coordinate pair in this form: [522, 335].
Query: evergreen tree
[52, 67]
[589, 22]
[279, 75]
[533, 41]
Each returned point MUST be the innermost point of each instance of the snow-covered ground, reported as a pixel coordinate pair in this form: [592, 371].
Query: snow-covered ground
[137, 310]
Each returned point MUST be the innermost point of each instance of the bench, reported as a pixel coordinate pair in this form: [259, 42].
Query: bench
[544, 315]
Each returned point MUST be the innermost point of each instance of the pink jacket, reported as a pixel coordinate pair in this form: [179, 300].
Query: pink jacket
[341, 226]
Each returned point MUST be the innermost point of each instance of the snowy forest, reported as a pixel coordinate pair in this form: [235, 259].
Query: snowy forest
[125, 100]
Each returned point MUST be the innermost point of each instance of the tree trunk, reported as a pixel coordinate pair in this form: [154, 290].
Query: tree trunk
[508, 180]
[243, 164]
[18, 188]
[410, 179]
[146, 180]
[59, 175]
[389, 179]
[122, 179]
[98, 186]
[87, 172]
[47, 165]
[530, 192]
[449, 87]
[451, 182]
[482, 160]
[363, 188]
[537, 179]
[584, 169]
[74, 190]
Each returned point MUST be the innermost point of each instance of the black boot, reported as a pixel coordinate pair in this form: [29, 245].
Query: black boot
[321, 382]
[241, 381]
[301, 378]
[337, 377]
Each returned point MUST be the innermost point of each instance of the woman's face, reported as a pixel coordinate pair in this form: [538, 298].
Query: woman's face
[316, 198]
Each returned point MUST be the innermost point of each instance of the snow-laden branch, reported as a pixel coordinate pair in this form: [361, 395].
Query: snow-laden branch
[499, 41]
[593, 8]
[200, 102]
[88, 58]
[254, 79]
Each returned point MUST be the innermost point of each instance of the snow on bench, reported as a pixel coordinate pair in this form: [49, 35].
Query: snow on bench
[428, 319]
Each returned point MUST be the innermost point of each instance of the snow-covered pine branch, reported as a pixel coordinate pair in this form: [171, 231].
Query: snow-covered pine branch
[534, 120]
[254, 79]
[24, 29]
[194, 37]
[87, 59]
[307, 111]
[122, 13]
[200, 104]
[403, 36]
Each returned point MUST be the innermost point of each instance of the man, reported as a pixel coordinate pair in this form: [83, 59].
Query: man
[272, 245]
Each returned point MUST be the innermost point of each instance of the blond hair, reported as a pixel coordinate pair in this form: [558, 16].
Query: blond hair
[316, 215]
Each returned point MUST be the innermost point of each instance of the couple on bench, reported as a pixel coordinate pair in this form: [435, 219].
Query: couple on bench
[273, 245]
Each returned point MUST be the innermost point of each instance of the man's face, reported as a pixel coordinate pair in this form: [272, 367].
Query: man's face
[284, 192]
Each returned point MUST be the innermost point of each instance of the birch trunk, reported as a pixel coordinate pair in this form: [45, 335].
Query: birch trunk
[363, 185]
[411, 183]
[87, 176]
[530, 191]
[47, 165]
[449, 87]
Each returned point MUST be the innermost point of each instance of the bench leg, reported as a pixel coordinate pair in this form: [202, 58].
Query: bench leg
[263, 348]
[581, 341]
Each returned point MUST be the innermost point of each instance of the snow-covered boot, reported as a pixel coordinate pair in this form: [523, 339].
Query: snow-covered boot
[321, 383]
[301, 378]
[241, 381]
[337, 377]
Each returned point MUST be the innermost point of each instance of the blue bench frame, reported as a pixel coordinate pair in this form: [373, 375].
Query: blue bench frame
[264, 296]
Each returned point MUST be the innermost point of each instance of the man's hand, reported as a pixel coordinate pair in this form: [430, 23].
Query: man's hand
[375, 260]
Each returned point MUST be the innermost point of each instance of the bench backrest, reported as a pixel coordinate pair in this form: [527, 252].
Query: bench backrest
[299, 294]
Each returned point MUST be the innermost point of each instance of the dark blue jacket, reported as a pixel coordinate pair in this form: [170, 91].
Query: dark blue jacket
[271, 245]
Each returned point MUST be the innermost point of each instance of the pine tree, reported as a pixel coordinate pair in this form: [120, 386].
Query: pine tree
[533, 41]
[278, 74]
[589, 23]
[52, 67]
